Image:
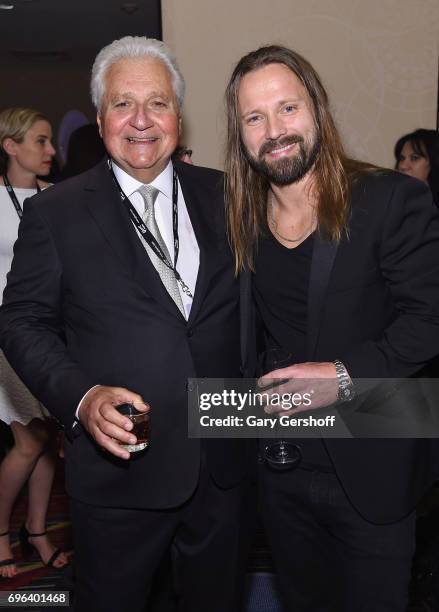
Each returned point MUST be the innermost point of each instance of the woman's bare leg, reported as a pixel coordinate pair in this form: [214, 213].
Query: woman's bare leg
[40, 486]
[15, 469]
[31, 458]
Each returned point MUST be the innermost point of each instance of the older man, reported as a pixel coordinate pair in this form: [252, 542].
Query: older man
[122, 288]
[346, 279]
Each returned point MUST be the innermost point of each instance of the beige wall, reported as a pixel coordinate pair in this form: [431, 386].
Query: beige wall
[377, 58]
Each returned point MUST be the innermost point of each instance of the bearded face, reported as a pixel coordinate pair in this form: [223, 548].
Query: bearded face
[277, 125]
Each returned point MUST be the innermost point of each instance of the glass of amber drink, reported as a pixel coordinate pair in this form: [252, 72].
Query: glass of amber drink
[141, 427]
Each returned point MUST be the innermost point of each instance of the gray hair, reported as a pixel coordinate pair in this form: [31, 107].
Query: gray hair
[133, 47]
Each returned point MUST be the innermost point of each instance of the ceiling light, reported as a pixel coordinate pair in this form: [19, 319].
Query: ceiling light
[6, 7]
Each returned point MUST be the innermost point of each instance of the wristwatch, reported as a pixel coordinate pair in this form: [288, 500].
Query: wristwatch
[346, 389]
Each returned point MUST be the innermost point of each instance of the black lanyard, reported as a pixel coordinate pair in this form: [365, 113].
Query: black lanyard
[146, 234]
[13, 197]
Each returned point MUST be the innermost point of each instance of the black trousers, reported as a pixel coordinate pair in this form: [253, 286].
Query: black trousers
[327, 557]
[118, 550]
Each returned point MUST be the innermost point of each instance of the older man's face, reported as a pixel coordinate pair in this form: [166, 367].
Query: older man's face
[277, 124]
[139, 120]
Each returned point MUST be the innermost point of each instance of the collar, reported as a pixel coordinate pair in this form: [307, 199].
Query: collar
[128, 184]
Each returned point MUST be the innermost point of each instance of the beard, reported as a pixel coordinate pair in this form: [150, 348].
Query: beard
[286, 170]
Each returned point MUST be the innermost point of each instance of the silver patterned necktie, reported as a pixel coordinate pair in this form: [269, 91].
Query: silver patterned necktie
[167, 276]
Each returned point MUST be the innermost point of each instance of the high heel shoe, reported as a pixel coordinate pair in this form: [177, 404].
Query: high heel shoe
[27, 548]
[9, 561]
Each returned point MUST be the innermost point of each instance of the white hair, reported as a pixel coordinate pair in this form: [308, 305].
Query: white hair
[133, 47]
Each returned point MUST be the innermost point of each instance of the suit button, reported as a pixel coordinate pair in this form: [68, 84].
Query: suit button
[190, 333]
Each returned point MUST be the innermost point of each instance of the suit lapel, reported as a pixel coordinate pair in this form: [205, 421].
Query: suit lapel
[322, 261]
[109, 213]
[204, 216]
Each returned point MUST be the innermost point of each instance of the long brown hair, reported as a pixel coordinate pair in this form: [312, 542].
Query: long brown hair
[246, 191]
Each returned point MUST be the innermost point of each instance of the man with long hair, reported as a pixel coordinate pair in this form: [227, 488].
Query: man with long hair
[339, 267]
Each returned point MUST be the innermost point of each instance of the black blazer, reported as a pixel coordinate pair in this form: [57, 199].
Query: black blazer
[373, 303]
[85, 306]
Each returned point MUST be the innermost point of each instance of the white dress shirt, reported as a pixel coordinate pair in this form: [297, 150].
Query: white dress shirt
[189, 252]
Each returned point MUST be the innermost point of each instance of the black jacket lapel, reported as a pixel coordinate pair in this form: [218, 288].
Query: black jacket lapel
[248, 325]
[205, 216]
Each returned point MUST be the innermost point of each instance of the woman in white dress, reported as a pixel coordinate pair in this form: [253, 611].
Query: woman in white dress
[26, 152]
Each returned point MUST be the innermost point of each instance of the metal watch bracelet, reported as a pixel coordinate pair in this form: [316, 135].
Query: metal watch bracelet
[346, 389]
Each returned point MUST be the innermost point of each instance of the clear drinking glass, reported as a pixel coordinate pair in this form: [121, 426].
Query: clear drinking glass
[279, 454]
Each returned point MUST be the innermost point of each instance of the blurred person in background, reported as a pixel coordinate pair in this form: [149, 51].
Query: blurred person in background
[183, 154]
[417, 155]
[85, 150]
[26, 152]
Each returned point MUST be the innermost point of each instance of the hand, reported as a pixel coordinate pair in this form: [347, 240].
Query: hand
[319, 379]
[109, 428]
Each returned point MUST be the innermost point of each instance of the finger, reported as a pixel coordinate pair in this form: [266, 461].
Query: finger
[293, 388]
[115, 449]
[280, 409]
[97, 414]
[284, 390]
[106, 429]
[120, 435]
[112, 415]
[268, 409]
[286, 402]
[142, 406]
[317, 402]
[284, 411]
[125, 396]
[108, 413]
[111, 446]
[282, 373]
[269, 381]
[268, 395]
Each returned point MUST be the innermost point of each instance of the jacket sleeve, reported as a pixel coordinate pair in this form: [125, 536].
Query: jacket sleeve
[409, 262]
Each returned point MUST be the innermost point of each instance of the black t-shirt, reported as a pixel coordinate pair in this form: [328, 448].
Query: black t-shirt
[280, 290]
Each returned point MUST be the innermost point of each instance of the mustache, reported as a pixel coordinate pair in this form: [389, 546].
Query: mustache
[270, 145]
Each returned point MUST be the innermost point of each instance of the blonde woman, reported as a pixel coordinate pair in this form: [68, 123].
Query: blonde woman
[26, 153]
